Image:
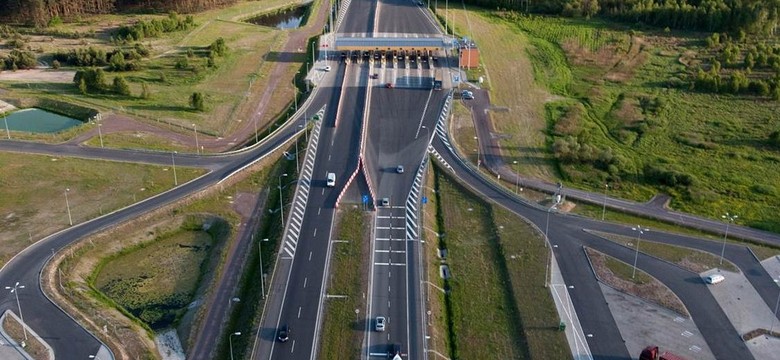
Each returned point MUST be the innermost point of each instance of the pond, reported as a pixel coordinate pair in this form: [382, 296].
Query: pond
[288, 19]
[38, 121]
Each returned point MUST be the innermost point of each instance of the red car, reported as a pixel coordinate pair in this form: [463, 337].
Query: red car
[389, 85]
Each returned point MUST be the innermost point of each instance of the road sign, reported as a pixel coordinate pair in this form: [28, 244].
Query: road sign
[424, 199]
[365, 199]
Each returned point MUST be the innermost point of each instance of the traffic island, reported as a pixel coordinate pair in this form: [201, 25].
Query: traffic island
[25, 342]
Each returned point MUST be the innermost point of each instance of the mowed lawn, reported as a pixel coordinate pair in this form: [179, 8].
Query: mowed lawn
[510, 75]
[500, 308]
[34, 187]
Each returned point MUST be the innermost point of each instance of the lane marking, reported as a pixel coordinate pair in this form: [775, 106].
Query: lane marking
[310, 252]
[299, 312]
[305, 281]
[315, 233]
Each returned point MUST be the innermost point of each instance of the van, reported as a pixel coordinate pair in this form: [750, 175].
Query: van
[714, 278]
[331, 182]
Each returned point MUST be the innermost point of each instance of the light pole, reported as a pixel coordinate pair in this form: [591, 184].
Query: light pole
[547, 226]
[262, 270]
[7, 132]
[281, 203]
[478, 157]
[730, 218]
[100, 134]
[638, 239]
[604, 208]
[772, 328]
[15, 290]
[94, 357]
[237, 333]
[427, 133]
[173, 161]
[67, 206]
[197, 146]
[517, 175]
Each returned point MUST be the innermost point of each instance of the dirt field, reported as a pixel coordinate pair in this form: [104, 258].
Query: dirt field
[38, 75]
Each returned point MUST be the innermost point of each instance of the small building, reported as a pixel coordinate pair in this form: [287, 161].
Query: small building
[469, 55]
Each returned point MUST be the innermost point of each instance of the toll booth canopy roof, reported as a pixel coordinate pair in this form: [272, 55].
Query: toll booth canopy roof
[385, 43]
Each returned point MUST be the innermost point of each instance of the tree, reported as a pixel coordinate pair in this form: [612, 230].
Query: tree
[196, 101]
[82, 86]
[117, 61]
[121, 86]
[145, 93]
[219, 48]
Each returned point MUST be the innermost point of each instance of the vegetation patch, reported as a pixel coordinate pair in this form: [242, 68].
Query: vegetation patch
[491, 253]
[156, 281]
[622, 276]
[342, 330]
[690, 259]
[32, 347]
[34, 191]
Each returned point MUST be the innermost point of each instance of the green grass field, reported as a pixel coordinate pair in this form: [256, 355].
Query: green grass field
[626, 106]
[491, 253]
[34, 188]
[156, 281]
[342, 330]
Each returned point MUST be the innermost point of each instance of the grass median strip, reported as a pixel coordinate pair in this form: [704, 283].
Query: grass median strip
[687, 258]
[491, 253]
[32, 346]
[621, 276]
[342, 329]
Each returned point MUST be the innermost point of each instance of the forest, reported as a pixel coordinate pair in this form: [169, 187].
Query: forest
[752, 16]
[40, 13]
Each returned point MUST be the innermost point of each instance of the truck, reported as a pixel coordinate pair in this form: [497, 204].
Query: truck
[652, 353]
[437, 80]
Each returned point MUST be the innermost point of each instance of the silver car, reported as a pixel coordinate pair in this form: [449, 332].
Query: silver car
[380, 323]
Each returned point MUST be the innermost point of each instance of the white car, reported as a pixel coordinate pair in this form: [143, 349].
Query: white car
[714, 278]
[327, 68]
[467, 95]
[380, 323]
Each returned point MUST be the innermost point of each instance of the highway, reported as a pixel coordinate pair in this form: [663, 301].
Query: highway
[398, 124]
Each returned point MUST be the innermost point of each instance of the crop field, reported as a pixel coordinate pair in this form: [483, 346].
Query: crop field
[491, 253]
[34, 191]
[157, 281]
[613, 116]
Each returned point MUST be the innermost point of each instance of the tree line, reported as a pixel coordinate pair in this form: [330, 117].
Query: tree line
[40, 13]
[751, 16]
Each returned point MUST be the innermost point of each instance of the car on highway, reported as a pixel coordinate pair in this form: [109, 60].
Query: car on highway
[284, 334]
[380, 324]
[394, 351]
[385, 202]
[389, 85]
[374, 76]
[467, 95]
[399, 169]
[331, 180]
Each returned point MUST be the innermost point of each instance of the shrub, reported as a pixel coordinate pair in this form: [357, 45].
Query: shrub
[196, 101]
[121, 86]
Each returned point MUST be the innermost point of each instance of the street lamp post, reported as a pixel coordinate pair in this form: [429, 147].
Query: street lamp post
[547, 226]
[7, 132]
[479, 161]
[237, 333]
[517, 175]
[262, 270]
[15, 290]
[197, 146]
[604, 208]
[100, 134]
[730, 218]
[281, 203]
[173, 161]
[427, 133]
[638, 239]
[772, 328]
[94, 357]
[67, 206]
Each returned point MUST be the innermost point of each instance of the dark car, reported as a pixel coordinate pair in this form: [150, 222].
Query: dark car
[284, 334]
[394, 351]
[374, 76]
[389, 85]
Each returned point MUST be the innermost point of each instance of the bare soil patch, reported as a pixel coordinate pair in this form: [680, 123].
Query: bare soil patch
[38, 75]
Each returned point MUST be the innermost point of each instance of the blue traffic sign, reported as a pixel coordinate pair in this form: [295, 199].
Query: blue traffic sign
[424, 199]
[365, 199]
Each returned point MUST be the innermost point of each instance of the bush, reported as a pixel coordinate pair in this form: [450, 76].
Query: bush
[90, 80]
[669, 177]
[121, 86]
[18, 59]
[196, 101]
